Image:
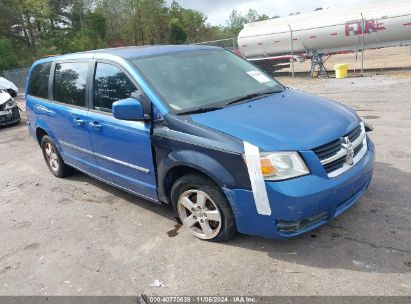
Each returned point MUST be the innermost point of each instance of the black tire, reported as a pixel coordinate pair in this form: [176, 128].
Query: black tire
[61, 170]
[12, 93]
[195, 181]
[19, 117]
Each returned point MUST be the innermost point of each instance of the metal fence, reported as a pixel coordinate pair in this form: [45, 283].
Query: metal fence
[18, 77]
[228, 43]
[377, 60]
[380, 59]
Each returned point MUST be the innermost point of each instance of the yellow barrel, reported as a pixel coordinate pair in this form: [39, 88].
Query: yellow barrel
[341, 70]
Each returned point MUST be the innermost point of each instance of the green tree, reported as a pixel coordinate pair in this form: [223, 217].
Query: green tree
[177, 34]
[7, 57]
[36, 28]
[236, 20]
[96, 22]
[192, 21]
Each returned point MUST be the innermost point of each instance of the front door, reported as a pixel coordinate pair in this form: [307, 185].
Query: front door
[68, 118]
[122, 148]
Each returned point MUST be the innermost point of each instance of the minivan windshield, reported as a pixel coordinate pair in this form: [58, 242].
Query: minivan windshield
[201, 80]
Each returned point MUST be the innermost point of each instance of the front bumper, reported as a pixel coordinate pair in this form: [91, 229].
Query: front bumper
[10, 117]
[302, 204]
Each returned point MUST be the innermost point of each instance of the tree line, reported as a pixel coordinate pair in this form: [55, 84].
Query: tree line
[31, 29]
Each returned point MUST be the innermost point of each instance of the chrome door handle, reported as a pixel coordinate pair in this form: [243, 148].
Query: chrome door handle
[79, 122]
[96, 125]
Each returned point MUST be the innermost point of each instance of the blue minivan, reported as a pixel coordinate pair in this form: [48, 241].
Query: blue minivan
[202, 129]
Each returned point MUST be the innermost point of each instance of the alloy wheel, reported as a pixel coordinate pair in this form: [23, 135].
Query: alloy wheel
[51, 157]
[199, 213]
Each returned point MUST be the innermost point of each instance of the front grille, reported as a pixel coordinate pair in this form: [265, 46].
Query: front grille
[337, 164]
[14, 115]
[329, 149]
[358, 149]
[353, 135]
[333, 155]
[5, 118]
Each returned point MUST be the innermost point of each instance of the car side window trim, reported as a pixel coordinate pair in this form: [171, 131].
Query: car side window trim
[51, 82]
[87, 89]
[92, 86]
[34, 81]
[92, 65]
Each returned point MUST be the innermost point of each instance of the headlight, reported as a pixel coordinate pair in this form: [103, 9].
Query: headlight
[282, 165]
[10, 104]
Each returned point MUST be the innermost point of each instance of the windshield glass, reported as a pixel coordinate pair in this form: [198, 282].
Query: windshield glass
[203, 78]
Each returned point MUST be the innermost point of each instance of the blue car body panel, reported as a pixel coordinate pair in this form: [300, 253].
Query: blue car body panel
[69, 125]
[303, 197]
[123, 152]
[290, 120]
[143, 156]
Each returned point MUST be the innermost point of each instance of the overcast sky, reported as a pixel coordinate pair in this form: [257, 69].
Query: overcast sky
[218, 11]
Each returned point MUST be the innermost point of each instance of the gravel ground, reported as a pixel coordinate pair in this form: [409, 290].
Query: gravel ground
[77, 236]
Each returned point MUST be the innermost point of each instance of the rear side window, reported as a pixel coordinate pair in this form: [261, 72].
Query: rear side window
[70, 83]
[110, 85]
[39, 80]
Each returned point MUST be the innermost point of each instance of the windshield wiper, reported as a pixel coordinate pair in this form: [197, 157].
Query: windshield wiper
[252, 96]
[199, 110]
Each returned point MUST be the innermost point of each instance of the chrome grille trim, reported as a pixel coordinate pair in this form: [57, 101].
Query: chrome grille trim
[343, 152]
[357, 158]
[338, 162]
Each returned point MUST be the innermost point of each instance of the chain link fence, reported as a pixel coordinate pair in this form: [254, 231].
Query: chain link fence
[376, 60]
[18, 77]
[228, 43]
[371, 61]
[368, 55]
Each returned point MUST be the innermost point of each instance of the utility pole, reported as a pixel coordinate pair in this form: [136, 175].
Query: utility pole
[362, 51]
[292, 52]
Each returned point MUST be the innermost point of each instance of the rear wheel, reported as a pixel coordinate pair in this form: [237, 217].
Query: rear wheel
[203, 208]
[53, 158]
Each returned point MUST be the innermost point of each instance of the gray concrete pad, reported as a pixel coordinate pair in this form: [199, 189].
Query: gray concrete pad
[78, 236]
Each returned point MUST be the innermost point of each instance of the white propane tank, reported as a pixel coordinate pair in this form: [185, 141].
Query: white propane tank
[327, 31]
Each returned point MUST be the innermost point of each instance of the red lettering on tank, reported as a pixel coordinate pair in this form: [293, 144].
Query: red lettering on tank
[356, 27]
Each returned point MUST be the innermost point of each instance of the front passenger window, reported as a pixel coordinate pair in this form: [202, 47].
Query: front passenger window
[110, 85]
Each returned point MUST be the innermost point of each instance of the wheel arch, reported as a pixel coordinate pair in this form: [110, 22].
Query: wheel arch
[180, 163]
[42, 129]
[40, 132]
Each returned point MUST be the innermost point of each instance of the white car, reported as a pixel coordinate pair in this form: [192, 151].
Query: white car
[6, 85]
[9, 110]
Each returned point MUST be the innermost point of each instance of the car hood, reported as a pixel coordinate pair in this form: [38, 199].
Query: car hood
[290, 120]
[6, 84]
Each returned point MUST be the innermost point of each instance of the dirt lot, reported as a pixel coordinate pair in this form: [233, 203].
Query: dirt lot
[77, 236]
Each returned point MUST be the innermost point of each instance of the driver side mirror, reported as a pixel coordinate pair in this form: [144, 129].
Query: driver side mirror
[129, 109]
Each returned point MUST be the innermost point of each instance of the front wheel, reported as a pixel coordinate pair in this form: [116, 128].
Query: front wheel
[203, 208]
[53, 158]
